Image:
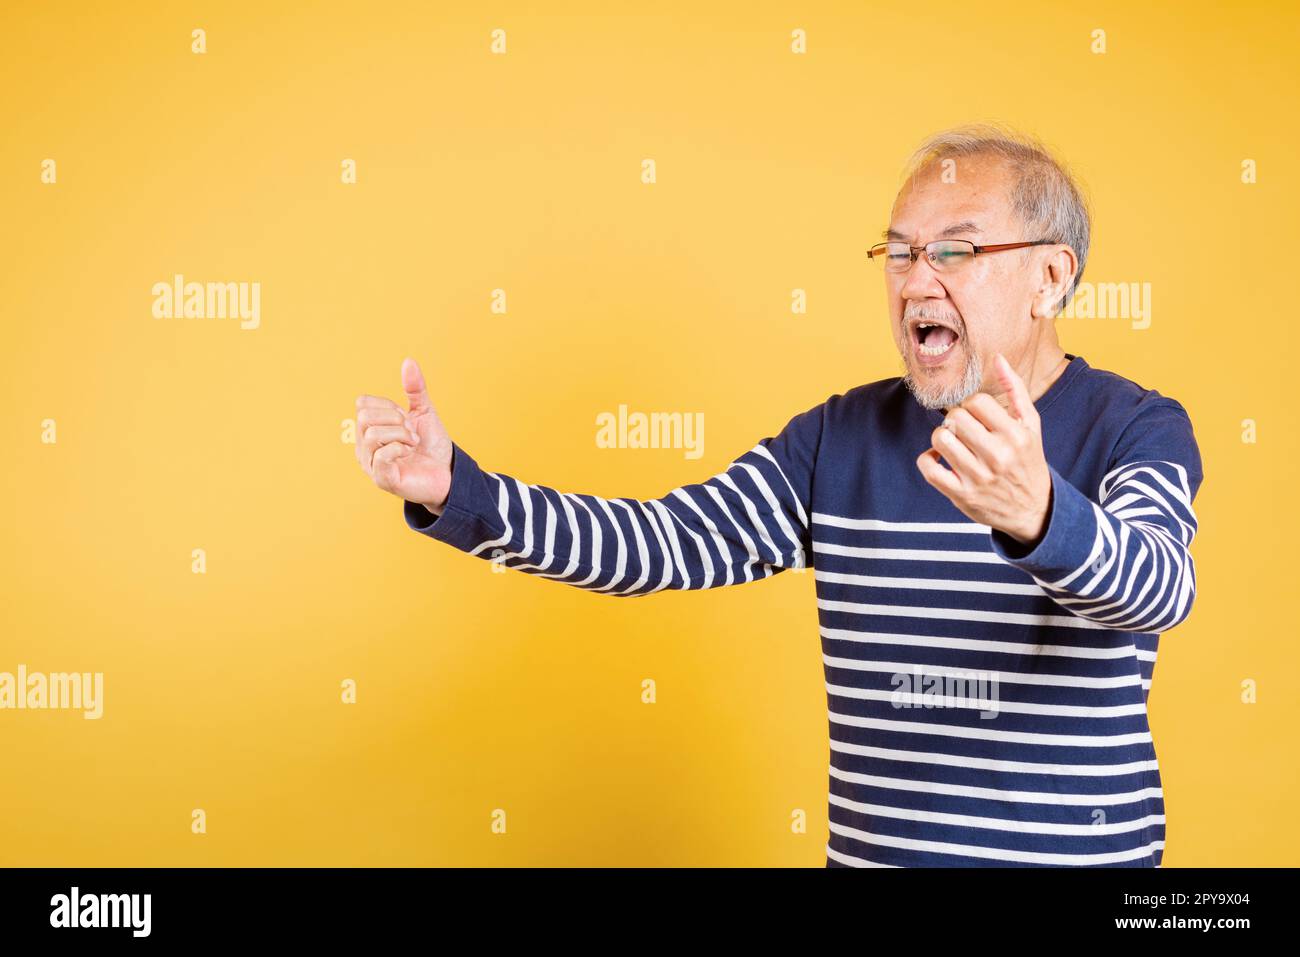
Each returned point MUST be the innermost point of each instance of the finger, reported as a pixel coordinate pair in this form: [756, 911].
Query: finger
[1018, 402]
[955, 452]
[413, 384]
[989, 413]
[384, 458]
[377, 435]
[937, 475]
[973, 433]
[376, 401]
[379, 415]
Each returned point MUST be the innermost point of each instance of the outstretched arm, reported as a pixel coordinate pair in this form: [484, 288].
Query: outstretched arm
[748, 522]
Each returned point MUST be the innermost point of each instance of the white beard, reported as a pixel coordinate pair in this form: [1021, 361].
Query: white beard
[936, 397]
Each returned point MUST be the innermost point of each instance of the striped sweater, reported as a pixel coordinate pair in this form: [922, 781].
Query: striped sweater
[987, 701]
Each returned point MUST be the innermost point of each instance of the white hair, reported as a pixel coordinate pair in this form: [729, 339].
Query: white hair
[1046, 196]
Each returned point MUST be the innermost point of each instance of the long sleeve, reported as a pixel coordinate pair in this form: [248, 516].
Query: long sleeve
[745, 523]
[1123, 560]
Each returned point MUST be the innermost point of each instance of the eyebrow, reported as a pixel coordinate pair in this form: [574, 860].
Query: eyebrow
[965, 226]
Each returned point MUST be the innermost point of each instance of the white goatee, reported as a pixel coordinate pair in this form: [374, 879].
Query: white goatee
[937, 397]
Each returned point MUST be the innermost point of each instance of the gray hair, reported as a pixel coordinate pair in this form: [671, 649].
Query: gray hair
[1046, 196]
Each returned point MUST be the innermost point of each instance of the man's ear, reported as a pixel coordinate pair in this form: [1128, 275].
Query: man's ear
[1054, 279]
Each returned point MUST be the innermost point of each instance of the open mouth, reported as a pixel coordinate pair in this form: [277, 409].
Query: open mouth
[933, 339]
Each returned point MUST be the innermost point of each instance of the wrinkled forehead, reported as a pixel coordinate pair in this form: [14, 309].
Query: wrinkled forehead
[967, 199]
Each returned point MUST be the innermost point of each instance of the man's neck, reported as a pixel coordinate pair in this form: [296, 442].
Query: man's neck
[1038, 371]
[1046, 369]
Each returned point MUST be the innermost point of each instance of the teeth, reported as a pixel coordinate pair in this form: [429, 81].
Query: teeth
[934, 350]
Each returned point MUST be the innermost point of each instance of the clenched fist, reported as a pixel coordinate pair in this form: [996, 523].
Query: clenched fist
[406, 452]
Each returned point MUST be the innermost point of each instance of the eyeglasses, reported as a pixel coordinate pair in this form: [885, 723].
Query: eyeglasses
[945, 255]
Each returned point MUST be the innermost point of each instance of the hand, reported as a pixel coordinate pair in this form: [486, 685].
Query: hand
[999, 473]
[407, 453]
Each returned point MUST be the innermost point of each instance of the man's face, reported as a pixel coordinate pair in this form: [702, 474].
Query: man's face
[985, 303]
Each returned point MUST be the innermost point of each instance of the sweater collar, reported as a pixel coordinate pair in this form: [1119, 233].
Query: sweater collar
[1072, 369]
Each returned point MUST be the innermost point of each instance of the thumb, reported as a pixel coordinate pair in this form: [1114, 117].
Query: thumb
[413, 385]
[1014, 390]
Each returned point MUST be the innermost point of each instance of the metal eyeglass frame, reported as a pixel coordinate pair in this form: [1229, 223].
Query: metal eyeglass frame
[877, 251]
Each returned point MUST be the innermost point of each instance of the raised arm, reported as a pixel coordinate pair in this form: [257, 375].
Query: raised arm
[1119, 554]
[745, 523]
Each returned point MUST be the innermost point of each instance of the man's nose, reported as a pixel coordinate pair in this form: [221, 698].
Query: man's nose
[922, 281]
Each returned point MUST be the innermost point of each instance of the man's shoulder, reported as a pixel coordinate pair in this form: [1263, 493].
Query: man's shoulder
[1138, 423]
[1105, 392]
[867, 397]
[855, 411]
[870, 407]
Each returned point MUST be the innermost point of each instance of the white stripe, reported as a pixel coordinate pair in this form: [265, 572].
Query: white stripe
[751, 551]
[706, 560]
[975, 644]
[669, 523]
[1125, 602]
[992, 764]
[1055, 798]
[880, 525]
[925, 702]
[548, 554]
[597, 544]
[997, 823]
[958, 614]
[575, 537]
[620, 561]
[851, 860]
[774, 505]
[546, 559]
[1009, 677]
[763, 450]
[935, 584]
[642, 548]
[998, 854]
[662, 553]
[994, 734]
[755, 523]
[503, 508]
[723, 549]
[1121, 474]
[909, 554]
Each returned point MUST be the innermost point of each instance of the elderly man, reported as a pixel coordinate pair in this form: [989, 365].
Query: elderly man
[999, 536]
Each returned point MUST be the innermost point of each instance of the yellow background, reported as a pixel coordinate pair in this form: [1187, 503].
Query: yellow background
[521, 171]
